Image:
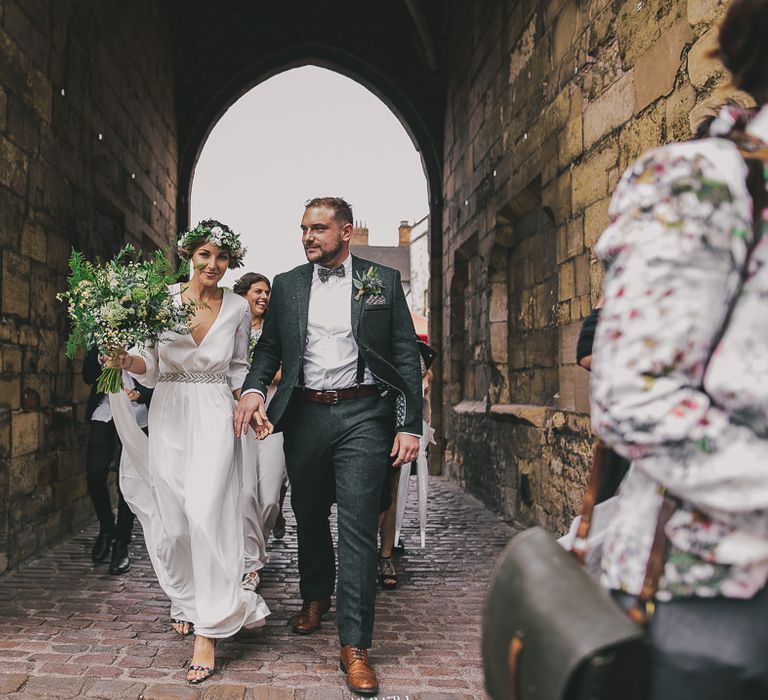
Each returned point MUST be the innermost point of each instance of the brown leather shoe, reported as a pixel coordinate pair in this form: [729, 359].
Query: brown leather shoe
[308, 620]
[361, 678]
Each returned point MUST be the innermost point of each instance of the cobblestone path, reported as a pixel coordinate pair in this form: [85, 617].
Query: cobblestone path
[69, 629]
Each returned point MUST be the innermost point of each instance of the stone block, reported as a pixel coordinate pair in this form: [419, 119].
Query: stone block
[15, 286]
[704, 11]
[574, 237]
[640, 24]
[11, 682]
[14, 167]
[639, 135]
[567, 27]
[114, 689]
[656, 69]
[25, 427]
[569, 335]
[597, 281]
[225, 692]
[581, 275]
[609, 111]
[11, 361]
[702, 68]
[499, 341]
[53, 687]
[33, 242]
[571, 141]
[595, 221]
[590, 177]
[566, 281]
[10, 392]
[678, 110]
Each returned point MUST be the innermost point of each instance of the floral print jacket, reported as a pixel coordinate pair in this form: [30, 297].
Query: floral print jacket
[676, 386]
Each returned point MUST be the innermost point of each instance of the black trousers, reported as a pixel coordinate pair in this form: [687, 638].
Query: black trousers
[707, 648]
[99, 455]
[345, 446]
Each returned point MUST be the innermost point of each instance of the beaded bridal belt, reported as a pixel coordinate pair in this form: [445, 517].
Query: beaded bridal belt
[193, 378]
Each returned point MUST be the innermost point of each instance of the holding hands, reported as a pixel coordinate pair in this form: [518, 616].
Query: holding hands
[251, 411]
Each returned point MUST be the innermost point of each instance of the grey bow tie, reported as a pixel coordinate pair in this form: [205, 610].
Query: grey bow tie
[325, 274]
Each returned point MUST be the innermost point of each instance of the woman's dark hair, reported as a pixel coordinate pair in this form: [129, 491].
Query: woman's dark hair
[744, 47]
[243, 284]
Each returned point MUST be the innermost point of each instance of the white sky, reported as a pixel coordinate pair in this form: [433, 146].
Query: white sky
[304, 133]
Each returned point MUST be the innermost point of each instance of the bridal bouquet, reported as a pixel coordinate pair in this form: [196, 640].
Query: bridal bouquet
[120, 303]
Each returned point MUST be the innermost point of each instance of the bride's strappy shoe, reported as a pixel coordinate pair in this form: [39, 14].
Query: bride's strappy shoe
[181, 623]
[207, 671]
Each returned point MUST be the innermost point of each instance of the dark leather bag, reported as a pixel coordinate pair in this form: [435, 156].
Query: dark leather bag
[550, 632]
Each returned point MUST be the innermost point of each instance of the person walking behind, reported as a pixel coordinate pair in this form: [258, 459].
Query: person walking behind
[113, 538]
[680, 387]
[349, 406]
[263, 460]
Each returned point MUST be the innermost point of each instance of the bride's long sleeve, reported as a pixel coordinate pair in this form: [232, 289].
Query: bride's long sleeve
[149, 354]
[238, 365]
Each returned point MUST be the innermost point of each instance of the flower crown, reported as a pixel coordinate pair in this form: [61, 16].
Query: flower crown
[217, 233]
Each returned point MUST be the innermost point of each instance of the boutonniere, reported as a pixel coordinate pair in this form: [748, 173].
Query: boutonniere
[368, 282]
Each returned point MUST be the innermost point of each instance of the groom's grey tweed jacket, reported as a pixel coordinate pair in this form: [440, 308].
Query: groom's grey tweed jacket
[383, 332]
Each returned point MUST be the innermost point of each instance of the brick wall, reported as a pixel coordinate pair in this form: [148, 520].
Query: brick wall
[87, 159]
[547, 103]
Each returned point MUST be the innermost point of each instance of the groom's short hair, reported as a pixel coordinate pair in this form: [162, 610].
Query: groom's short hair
[342, 212]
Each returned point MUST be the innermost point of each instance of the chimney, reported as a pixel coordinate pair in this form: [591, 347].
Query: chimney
[359, 234]
[404, 231]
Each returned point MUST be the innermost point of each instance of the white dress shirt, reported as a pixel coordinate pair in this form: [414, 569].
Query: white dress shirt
[330, 355]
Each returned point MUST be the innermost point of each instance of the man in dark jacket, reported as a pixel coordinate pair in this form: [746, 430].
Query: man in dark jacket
[113, 538]
[349, 405]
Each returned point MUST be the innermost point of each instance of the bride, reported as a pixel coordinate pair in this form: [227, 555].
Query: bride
[184, 481]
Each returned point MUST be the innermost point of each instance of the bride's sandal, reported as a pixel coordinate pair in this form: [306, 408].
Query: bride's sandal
[251, 581]
[387, 573]
[206, 671]
[178, 627]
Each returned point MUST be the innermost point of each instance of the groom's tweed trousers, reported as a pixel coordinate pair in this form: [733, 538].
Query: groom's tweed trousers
[339, 451]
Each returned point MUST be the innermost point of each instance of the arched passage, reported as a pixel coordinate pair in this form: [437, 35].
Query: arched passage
[196, 124]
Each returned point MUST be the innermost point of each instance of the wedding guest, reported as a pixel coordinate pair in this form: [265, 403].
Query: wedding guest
[388, 577]
[184, 483]
[349, 406]
[263, 460]
[680, 386]
[113, 538]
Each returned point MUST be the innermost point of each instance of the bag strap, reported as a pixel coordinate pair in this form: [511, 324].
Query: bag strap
[579, 548]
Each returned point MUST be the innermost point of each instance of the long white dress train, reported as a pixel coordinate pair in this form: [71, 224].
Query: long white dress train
[184, 481]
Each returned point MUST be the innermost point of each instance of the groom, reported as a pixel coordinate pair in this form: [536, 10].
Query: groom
[349, 407]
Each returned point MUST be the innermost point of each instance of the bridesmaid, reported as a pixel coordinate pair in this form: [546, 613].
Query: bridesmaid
[184, 482]
[263, 460]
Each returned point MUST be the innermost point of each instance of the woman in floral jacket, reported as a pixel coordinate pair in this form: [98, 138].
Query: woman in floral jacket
[680, 386]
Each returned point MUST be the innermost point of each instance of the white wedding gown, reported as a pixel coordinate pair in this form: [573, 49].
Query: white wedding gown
[184, 481]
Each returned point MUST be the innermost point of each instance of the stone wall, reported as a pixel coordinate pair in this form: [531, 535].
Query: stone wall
[87, 159]
[547, 103]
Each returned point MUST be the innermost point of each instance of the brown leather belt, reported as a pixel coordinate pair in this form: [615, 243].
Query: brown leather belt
[333, 396]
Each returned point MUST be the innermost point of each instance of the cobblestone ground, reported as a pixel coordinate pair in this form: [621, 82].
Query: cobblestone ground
[69, 629]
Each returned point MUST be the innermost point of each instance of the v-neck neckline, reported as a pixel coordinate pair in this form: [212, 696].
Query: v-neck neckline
[213, 323]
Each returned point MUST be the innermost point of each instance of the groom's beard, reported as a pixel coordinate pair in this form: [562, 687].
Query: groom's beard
[327, 255]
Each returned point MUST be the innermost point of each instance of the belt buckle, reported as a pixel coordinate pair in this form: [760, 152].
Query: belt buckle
[331, 396]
